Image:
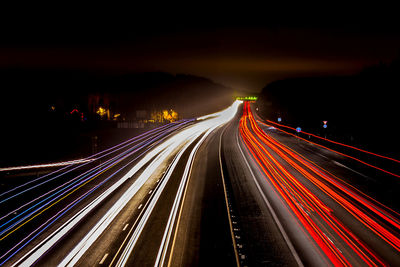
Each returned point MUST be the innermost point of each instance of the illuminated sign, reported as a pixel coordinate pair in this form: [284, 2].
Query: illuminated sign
[247, 98]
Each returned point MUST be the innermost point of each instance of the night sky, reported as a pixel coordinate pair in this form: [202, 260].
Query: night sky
[244, 47]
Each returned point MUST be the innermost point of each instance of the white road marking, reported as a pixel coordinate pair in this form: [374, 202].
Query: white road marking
[322, 155]
[274, 216]
[231, 222]
[344, 166]
[328, 238]
[161, 153]
[161, 257]
[332, 242]
[104, 258]
[126, 226]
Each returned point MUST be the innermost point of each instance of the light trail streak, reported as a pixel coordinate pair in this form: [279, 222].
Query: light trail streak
[105, 221]
[377, 208]
[202, 128]
[334, 142]
[346, 155]
[69, 186]
[95, 172]
[304, 203]
[271, 210]
[155, 156]
[79, 180]
[40, 249]
[162, 252]
[184, 138]
[143, 220]
[48, 165]
[98, 155]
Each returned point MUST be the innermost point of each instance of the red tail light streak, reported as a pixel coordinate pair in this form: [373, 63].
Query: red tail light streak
[334, 142]
[287, 171]
[337, 152]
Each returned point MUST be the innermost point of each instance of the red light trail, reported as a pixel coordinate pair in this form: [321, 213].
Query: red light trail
[331, 141]
[282, 168]
[337, 152]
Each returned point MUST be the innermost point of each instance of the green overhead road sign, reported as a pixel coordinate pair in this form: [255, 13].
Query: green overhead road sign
[247, 98]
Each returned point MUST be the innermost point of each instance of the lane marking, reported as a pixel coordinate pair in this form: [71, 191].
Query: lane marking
[104, 258]
[184, 197]
[140, 206]
[179, 200]
[322, 155]
[168, 231]
[332, 242]
[190, 134]
[133, 225]
[54, 237]
[344, 166]
[78, 251]
[226, 202]
[142, 222]
[328, 238]
[269, 206]
[126, 226]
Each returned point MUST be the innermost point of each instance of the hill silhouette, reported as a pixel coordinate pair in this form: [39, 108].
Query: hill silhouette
[32, 131]
[361, 109]
[29, 93]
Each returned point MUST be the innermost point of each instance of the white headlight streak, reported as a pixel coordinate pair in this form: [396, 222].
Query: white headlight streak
[155, 158]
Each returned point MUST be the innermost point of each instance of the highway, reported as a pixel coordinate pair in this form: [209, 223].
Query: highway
[225, 189]
[322, 216]
[69, 216]
[55, 203]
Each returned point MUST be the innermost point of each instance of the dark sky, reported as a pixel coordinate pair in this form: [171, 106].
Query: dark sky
[242, 46]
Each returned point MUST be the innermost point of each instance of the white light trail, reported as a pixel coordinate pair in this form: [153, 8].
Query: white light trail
[47, 165]
[172, 217]
[207, 127]
[47, 243]
[160, 153]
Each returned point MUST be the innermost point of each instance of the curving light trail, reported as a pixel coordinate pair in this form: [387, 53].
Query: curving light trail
[81, 179]
[29, 211]
[340, 153]
[181, 141]
[48, 165]
[334, 142]
[279, 163]
[150, 151]
[63, 171]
